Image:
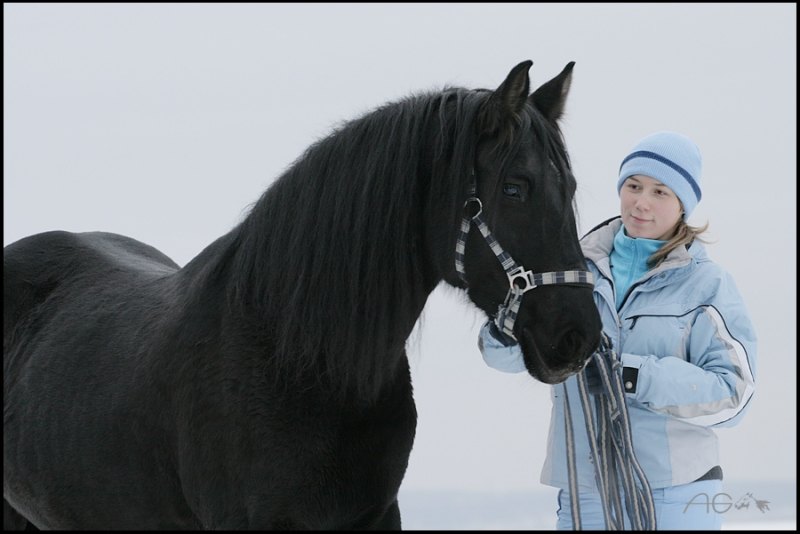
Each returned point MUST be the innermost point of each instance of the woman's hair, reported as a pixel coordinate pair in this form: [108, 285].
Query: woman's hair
[684, 235]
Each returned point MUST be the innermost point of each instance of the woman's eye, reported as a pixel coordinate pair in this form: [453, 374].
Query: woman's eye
[512, 190]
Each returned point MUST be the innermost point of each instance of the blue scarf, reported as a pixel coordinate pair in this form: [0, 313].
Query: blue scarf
[629, 260]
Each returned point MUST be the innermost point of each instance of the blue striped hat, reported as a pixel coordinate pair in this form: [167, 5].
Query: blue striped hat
[672, 159]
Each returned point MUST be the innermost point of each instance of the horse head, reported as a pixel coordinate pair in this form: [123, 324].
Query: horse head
[527, 253]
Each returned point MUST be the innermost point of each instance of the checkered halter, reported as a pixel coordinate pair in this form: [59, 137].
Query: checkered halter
[520, 280]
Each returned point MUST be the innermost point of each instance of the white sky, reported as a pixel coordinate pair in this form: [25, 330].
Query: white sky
[164, 122]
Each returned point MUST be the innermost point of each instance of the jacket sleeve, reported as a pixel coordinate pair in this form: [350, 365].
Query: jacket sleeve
[498, 353]
[716, 384]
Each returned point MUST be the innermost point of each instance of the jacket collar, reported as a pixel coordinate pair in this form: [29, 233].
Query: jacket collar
[599, 241]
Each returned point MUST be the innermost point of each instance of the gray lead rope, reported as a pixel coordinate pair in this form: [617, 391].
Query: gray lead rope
[520, 280]
[615, 462]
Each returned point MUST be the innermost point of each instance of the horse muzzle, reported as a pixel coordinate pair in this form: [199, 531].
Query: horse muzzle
[552, 363]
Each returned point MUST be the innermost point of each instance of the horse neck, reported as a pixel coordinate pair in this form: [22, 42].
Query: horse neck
[332, 267]
[366, 253]
[340, 279]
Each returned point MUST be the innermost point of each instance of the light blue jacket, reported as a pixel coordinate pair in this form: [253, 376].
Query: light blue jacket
[685, 328]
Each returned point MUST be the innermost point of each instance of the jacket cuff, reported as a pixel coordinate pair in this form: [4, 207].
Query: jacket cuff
[631, 363]
[630, 377]
[497, 355]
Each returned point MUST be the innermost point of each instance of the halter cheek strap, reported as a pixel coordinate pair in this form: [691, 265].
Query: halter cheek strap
[520, 280]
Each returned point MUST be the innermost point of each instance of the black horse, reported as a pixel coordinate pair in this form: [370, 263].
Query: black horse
[266, 384]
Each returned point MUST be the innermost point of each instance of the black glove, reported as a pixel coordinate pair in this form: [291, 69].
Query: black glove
[592, 375]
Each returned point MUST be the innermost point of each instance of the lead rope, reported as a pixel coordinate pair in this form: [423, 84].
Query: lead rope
[615, 464]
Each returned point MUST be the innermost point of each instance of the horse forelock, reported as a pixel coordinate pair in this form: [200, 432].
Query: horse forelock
[331, 259]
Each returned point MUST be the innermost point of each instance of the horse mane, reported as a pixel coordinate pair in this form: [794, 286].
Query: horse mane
[330, 262]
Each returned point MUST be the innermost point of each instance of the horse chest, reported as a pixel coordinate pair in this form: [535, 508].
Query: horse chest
[301, 465]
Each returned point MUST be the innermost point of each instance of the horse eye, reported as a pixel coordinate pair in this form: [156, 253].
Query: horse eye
[512, 190]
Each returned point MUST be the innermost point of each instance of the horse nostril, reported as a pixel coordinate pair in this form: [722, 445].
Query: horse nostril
[571, 349]
[576, 366]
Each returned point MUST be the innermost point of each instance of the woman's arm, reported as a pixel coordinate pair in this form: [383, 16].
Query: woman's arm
[715, 385]
[500, 351]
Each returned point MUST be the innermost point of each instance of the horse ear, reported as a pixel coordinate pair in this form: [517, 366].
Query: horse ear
[508, 99]
[551, 96]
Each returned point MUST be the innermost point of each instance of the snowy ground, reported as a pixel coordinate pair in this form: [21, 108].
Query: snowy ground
[535, 509]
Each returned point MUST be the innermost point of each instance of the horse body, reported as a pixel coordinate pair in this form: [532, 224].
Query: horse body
[265, 384]
[152, 435]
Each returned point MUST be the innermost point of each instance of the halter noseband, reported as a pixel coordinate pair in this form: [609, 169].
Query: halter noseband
[520, 280]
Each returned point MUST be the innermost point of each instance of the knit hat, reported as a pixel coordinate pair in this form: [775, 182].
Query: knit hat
[672, 159]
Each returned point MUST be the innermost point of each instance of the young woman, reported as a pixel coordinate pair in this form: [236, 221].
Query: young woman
[681, 330]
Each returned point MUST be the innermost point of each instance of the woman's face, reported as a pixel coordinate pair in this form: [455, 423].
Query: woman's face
[649, 208]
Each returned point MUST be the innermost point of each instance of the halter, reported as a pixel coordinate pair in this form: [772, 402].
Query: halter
[520, 280]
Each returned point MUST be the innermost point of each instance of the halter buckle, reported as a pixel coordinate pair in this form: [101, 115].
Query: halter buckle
[520, 274]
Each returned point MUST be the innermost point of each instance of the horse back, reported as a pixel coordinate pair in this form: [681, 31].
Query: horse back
[81, 312]
[35, 266]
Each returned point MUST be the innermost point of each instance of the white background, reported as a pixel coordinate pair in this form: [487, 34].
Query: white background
[164, 122]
